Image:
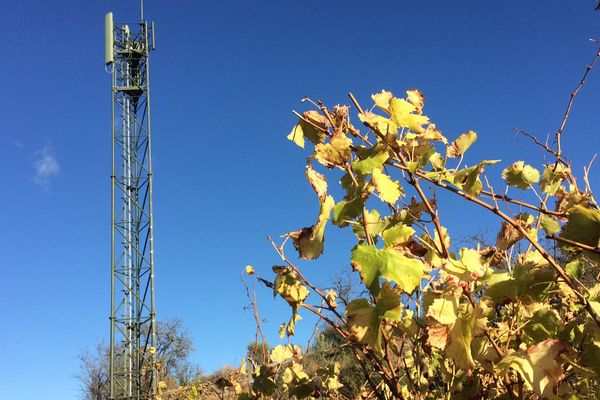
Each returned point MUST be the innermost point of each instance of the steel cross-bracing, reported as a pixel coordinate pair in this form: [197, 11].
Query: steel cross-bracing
[133, 367]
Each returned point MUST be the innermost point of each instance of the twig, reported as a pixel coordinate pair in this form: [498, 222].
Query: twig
[304, 280]
[308, 121]
[574, 243]
[570, 105]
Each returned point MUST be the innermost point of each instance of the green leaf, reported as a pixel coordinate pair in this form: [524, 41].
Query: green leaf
[543, 324]
[364, 319]
[374, 223]
[551, 178]
[502, 288]
[575, 268]
[373, 263]
[297, 135]
[263, 382]
[549, 224]
[353, 190]
[432, 257]
[521, 175]
[389, 190]
[334, 153]
[468, 178]
[309, 241]
[346, 211]
[462, 143]
[397, 235]
[583, 227]
[471, 266]
[531, 280]
[370, 159]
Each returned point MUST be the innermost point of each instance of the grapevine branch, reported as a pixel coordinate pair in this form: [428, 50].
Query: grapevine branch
[560, 130]
[413, 181]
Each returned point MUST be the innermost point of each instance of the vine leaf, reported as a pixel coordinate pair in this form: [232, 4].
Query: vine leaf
[375, 224]
[309, 241]
[540, 367]
[346, 211]
[397, 235]
[289, 287]
[364, 319]
[305, 130]
[444, 309]
[553, 177]
[521, 175]
[283, 353]
[371, 159]
[373, 263]
[417, 99]
[389, 190]
[549, 224]
[583, 227]
[461, 144]
[461, 335]
[432, 133]
[403, 115]
[334, 153]
[468, 178]
[382, 99]
[317, 181]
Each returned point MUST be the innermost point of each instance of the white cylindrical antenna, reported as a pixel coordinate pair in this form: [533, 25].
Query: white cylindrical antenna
[153, 44]
[109, 43]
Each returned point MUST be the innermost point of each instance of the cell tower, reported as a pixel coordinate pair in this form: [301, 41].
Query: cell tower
[133, 369]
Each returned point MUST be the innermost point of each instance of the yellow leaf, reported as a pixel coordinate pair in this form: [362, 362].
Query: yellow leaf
[317, 181]
[417, 99]
[432, 133]
[335, 153]
[389, 190]
[382, 99]
[540, 367]
[282, 353]
[403, 115]
[461, 144]
[444, 310]
[249, 269]
[381, 124]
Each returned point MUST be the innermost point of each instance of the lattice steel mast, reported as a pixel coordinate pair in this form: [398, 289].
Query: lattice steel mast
[133, 370]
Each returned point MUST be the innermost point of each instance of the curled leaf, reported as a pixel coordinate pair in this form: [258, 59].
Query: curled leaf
[417, 99]
[334, 153]
[309, 241]
[461, 144]
[317, 181]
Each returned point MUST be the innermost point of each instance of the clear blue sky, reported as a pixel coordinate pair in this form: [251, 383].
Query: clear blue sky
[224, 78]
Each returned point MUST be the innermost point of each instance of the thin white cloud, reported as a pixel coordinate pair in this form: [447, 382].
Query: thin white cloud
[46, 167]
